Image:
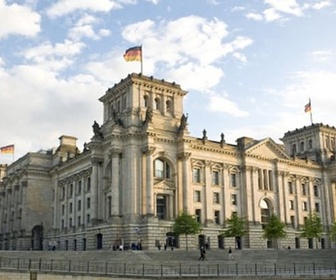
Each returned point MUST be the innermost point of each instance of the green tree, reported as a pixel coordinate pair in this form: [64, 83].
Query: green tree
[274, 229]
[332, 232]
[187, 225]
[312, 227]
[235, 228]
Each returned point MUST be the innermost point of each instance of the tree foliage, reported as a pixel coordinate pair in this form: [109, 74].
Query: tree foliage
[187, 225]
[274, 229]
[312, 227]
[332, 232]
[236, 226]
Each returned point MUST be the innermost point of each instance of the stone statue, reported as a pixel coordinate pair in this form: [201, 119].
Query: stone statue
[149, 115]
[183, 123]
[96, 130]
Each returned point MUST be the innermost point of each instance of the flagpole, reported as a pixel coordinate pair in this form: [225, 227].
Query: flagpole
[141, 61]
[311, 113]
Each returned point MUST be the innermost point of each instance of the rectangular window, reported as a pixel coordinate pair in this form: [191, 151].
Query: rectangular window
[304, 206]
[70, 207]
[291, 204]
[316, 191]
[71, 190]
[217, 217]
[290, 187]
[317, 207]
[88, 203]
[233, 179]
[292, 220]
[198, 215]
[109, 206]
[88, 184]
[79, 205]
[216, 197]
[63, 209]
[304, 189]
[233, 199]
[79, 187]
[70, 222]
[197, 197]
[196, 175]
[88, 218]
[215, 178]
[79, 221]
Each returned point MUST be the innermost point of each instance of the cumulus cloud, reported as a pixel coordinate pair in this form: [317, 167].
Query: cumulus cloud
[222, 104]
[64, 7]
[12, 23]
[170, 43]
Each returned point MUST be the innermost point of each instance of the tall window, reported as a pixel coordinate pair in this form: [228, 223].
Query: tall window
[216, 197]
[168, 106]
[215, 178]
[217, 217]
[145, 101]
[316, 191]
[233, 199]
[233, 179]
[161, 207]
[265, 211]
[304, 189]
[198, 215]
[157, 103]
[196, 175]
[291, 204]
[197, 197]
[161, 169]
[290, 187]
[304, 206]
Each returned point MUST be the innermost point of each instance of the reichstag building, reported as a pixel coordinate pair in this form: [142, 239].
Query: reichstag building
[142, 167]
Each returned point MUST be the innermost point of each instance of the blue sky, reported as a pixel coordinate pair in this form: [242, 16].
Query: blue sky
[249, 66]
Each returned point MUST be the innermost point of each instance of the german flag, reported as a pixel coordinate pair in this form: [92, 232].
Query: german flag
[133, 54]
[7, 149]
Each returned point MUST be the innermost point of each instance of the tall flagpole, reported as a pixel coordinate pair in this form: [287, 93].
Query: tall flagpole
[311, 112]
[141, 60]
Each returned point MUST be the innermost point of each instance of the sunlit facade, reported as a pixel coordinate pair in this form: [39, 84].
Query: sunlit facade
[142, 167]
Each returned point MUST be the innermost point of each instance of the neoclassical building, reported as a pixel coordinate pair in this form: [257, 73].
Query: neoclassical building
[142, 167]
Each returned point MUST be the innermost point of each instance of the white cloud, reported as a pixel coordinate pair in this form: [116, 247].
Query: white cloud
[222, 104]
[155, 2]
[254, 16]
[286, 6]
[271, 15]
[321, 5]
[167, 45]
[54, 57]
[322, 56]
[12, 20]
[63, 7]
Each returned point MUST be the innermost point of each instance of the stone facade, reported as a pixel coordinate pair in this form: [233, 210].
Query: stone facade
[142, 167]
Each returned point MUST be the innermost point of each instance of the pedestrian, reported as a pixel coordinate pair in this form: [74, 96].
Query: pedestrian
[230, 254]
[202, 254]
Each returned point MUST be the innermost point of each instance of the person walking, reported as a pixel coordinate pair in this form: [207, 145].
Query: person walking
[202, 254]
[230, 254]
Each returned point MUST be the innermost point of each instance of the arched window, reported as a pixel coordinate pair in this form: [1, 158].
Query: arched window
[293, 149]
[145, 101]
[157, 103]
[301, 146]
[265, 211]
[161, 169]
[310, 144]
[168, 106]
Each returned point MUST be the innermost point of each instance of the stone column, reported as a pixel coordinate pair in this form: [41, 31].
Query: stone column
[149, 181]
[95, 188]
[115, 182]
[187, 196]
[208, 198]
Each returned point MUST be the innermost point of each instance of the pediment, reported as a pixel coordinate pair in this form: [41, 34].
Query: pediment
[267, 148]
[164, 185]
